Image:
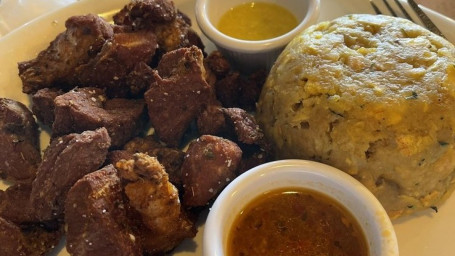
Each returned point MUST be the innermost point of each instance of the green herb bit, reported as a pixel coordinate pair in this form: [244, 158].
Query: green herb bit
[336, 113]
[208, 153]
[413, 96]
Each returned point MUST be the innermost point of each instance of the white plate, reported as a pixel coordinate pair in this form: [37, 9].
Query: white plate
[14, 13]
[423, 234]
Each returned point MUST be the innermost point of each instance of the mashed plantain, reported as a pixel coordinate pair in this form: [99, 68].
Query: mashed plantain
[373, 96]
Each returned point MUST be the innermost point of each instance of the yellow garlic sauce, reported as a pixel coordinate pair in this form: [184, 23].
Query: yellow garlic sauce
[257, 21]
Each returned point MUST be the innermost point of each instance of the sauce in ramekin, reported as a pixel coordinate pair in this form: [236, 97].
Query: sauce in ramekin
[295, 222]
[257, 21]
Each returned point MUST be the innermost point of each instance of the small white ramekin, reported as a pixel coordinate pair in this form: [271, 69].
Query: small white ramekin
[339, 186]
[249, 55]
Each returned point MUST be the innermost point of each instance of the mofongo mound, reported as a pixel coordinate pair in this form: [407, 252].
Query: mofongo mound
[373, 96]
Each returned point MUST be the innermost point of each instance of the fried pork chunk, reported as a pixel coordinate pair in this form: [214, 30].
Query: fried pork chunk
[19, 148]
[242, 128]
[118, 57]
[30, 240]
[232, 88]
[163, 223]
[210, 164]
[83, 39]
[96, 218]
[211, 120]
[219, 65]
[88, 109]
[43, 104]
[11, 239]
[170, 158]
[256, 149]
[139, 79]
[143, 13]
[66, 160]
[245, 126]
[178, 95]
[89, 53]
[15, 205]
[172, 28]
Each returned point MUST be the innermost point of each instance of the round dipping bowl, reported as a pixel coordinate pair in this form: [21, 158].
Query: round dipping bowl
[329, 181]
[249, 55]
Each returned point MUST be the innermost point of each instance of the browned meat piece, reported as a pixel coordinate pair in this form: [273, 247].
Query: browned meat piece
[241, 127]
[172, 28]
[228, 89]
[118, 57]
[140, 78]
[176, 34]
[218, 64]
[256, 149]
[211, 121]
[250, 90]
[15, 204]
[66, 160]
[116, 155]
[19, 148]
[163, 223]
[11, 239]
[42, 238]
[210, 76]
[83, 39]
[101, 58]
[234, 90]
[78, 103]
[170, 158]
[194, 39]
[245, 126]
[32, 240]
[147, 145]
[181, 62]
[88, 109]
[143, 12]
[96, 218]
[191, 37]
[232, 123]
[185, 17]
[122, 29]
[253, 157]
[210, 164]
[128, 119]
[178, 95]
[17, 118]
[43, 104]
